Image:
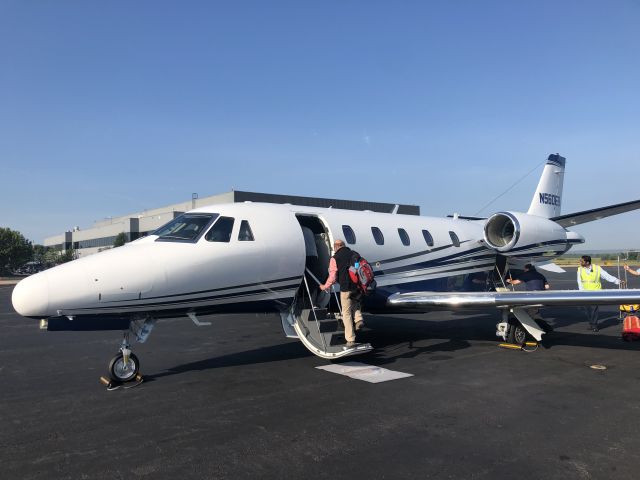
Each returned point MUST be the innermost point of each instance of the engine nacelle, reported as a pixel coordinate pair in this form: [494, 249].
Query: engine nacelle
[520, 234]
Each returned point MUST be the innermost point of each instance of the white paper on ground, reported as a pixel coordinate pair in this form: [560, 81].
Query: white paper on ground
[362, 371]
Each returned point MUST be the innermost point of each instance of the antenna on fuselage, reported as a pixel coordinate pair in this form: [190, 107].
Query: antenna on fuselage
[395, 209]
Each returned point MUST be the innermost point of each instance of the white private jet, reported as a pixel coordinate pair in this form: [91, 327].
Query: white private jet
[255, 257]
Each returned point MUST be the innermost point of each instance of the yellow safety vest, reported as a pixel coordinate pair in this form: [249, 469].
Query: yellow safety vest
[591, 280]
[630, 308]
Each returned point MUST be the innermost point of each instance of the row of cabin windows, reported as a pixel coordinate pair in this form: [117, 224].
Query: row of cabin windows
[350, 236]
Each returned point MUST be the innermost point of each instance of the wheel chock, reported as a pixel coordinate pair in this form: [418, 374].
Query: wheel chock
[114, 385]
[512, 346]
[526, 347]
[110, 384]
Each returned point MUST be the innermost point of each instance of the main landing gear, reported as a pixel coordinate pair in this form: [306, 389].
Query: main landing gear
[518, 328]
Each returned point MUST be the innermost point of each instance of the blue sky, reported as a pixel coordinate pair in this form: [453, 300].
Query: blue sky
[107, 108]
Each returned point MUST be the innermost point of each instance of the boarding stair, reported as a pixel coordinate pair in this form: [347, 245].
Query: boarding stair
[320, 330]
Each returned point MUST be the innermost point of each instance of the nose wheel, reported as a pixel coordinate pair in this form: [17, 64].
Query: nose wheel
[123, 369]
[125, 366]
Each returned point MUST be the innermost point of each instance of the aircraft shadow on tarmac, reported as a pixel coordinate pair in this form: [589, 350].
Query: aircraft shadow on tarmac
[395, 338]
[274, 353]
[389, 334]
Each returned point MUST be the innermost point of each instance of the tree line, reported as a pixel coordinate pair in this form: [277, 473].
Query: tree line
[623, 255]
[17, 254]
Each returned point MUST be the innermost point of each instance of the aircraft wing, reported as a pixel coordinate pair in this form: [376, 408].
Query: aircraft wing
[595, 214]
[462, 300]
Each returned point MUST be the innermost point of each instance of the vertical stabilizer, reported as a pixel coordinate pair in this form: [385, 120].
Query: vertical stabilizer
[547, 199]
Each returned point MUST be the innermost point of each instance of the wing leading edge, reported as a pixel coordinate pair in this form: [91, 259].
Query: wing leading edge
[579, 218]
[595, 214]
[462, 300]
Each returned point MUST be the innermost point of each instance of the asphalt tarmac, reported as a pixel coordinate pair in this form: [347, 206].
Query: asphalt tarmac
[238, 400]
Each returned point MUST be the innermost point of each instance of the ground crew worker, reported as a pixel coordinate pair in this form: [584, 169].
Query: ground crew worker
[533, 280]
[589, 278]
[631, 271]
[349, 297]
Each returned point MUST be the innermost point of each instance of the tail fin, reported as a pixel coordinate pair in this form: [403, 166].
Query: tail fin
[547, 199]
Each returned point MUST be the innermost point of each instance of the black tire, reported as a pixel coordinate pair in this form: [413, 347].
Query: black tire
[517, 333]
[121, 373]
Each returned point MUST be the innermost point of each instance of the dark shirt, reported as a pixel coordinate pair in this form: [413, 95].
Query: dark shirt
[344, 257]
[533, 280]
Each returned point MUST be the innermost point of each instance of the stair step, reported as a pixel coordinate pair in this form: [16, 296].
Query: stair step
[331, 325]
[337, 339]
[320, 312]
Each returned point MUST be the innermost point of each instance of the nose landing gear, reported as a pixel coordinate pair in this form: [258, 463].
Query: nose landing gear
[125, 366]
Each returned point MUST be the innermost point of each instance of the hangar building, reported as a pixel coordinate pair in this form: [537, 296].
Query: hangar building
[135, 225]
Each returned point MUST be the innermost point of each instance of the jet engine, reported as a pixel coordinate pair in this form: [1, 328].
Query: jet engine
[516, 233]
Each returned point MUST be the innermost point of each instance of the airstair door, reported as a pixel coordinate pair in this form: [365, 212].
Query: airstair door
[318, 329]
[308, 318]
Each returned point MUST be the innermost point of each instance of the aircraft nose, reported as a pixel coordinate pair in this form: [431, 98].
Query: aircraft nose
[30, 296]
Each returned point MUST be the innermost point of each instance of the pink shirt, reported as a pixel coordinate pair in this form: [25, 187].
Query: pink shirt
[333, 273]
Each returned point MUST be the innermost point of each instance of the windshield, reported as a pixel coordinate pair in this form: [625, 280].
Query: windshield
[188, 227]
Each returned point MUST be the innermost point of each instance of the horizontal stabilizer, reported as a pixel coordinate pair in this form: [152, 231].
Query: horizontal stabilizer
[453, 300]
[595, 214]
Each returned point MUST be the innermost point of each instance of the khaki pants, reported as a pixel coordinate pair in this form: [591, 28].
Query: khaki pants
[350, 310]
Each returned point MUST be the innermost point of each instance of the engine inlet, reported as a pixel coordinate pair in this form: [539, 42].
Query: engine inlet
[501, 231]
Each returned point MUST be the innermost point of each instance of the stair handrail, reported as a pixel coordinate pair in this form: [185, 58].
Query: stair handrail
[335, 294]
[306, 284]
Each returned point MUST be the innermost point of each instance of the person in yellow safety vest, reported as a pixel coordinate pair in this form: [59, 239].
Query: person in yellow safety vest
[590, 278]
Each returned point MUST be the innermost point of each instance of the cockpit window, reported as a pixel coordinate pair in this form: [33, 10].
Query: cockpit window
[245, 234]
[188, 227]
[221, 230]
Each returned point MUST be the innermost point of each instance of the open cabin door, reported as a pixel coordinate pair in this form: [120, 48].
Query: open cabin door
[320, 330]
[500, 273]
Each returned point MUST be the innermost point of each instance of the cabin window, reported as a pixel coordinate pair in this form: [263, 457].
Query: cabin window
[454, 239]
[377, 235]
[188, 227]
[404, 237]
[349, 236]
[221, 230]
[427, 237]
[245, 234]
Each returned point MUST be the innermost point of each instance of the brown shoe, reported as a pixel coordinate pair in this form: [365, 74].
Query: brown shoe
[359, 325]
[350, 344]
